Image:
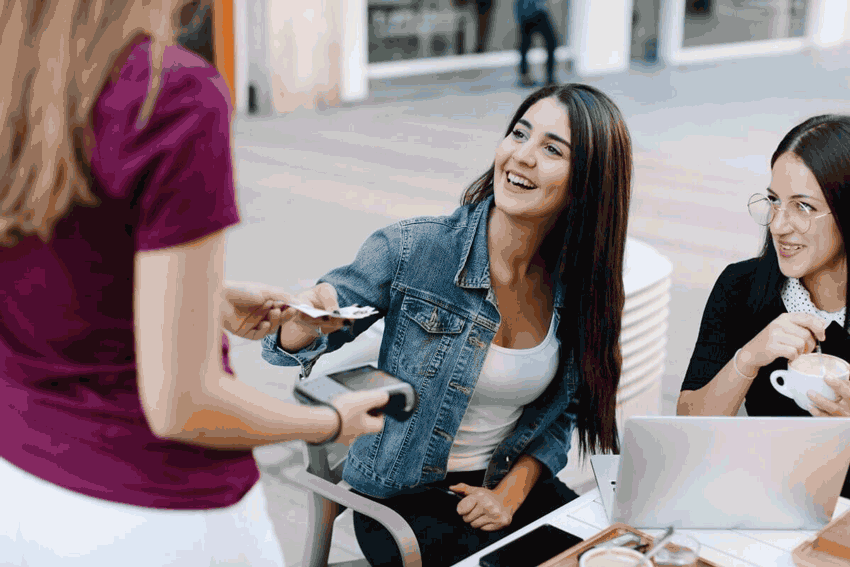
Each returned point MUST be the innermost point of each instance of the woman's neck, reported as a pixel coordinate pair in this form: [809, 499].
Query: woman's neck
[828, 286]
[514, 246]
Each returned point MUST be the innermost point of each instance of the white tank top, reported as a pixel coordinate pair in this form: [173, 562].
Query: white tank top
[509, 380]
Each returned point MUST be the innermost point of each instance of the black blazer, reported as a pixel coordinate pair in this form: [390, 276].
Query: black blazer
[744, 301]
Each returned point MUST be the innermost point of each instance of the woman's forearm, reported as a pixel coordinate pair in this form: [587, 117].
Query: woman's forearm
[517, 484]
[233, 415]
[722, 396]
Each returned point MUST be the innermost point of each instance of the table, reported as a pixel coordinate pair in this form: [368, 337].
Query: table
[585, 517]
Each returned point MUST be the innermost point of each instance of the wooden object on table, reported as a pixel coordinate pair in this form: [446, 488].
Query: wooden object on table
[569, 558]
[835, 537]
[829, 548]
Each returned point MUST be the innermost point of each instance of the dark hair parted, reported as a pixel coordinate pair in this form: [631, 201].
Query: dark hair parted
[590, 241]
[822, 144]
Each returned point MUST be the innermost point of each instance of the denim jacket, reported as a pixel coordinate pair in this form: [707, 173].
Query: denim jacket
[429, 278]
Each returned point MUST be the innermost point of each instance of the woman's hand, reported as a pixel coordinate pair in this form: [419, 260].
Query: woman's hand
[482, 508]
[251, 310]
[299, 330]
[821, 407]
[354, 410]
[787, 336]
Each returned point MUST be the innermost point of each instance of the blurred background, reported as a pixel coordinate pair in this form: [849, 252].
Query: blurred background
[353, 114]
[273, 53]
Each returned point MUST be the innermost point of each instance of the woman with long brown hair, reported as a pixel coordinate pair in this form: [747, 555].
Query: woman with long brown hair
[126, 439]
[505, 317]
[765, 312]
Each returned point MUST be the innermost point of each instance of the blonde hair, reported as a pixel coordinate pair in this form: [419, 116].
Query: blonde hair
[57, 56]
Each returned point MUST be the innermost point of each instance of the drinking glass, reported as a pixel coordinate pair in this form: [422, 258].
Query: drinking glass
[682, 550]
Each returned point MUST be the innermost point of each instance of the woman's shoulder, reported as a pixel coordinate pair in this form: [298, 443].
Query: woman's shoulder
[740, 273]
[187, 80]
[463, 217]
[192, 109]
[191, 78]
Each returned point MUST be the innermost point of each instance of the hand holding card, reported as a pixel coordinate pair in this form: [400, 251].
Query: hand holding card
[350, 312]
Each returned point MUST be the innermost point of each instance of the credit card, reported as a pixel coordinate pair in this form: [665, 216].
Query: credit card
[350, 312]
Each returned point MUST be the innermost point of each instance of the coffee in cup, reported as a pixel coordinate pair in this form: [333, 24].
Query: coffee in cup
[807, 372]
[611, 557]
[811, 364]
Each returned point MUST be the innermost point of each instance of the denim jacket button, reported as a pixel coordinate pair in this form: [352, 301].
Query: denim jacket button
[507, 459]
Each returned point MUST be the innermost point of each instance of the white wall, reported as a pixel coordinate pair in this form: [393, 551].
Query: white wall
[306, 53]
[831, 22]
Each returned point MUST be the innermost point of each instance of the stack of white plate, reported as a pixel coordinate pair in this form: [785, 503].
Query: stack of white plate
[647, 279]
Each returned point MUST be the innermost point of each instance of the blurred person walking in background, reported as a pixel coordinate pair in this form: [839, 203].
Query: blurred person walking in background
[532, 17]
[116, 188]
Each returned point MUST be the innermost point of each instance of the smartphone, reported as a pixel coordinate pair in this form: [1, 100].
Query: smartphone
[324, 389]
[534, 548]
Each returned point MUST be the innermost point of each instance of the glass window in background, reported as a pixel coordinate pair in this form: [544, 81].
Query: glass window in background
[415, 29]
[713, 22]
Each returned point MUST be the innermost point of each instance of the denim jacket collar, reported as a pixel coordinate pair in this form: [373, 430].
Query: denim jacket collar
[474, 269]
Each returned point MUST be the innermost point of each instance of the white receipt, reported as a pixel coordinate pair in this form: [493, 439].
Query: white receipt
[350, 312]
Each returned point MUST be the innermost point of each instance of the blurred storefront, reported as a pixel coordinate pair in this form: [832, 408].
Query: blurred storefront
[708, 30]
[314, 53]
[413, 29]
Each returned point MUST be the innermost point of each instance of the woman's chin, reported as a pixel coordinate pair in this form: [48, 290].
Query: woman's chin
[792, 269]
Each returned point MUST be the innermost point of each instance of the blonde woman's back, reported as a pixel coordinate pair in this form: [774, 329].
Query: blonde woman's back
[83, 453]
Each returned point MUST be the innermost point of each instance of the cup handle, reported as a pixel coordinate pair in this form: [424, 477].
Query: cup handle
[774, 377]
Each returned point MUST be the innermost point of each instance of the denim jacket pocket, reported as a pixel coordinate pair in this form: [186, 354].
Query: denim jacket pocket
[432, 318]
[429, 334]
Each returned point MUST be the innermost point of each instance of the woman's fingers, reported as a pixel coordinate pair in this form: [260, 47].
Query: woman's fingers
[475, 511]
[790, 335]
[325, 297]
[480, 522]
[824, 405]
[841, 387]
[785, 351]
[354, 409]
[801, 331]
[813, 324]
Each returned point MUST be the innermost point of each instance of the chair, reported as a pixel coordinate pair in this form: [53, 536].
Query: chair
[329, 498]
[322, 477]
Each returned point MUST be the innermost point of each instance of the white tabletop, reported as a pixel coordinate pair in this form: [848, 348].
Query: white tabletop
[585, 517]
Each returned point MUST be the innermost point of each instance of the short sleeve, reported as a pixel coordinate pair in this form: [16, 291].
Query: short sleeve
[714, 348]
[188, 191]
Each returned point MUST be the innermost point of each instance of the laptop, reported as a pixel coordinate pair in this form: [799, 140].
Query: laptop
[726, 472]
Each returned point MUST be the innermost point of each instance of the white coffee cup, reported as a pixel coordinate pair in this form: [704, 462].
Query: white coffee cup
[611, 557]
[806, 373]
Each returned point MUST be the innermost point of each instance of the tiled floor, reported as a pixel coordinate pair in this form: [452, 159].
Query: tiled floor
[313, 186]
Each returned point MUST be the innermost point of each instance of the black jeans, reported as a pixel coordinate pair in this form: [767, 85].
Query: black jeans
[444, 538]
[538, 23]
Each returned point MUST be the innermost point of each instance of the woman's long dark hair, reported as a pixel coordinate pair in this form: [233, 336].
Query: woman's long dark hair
[590, 242]
[822, 143]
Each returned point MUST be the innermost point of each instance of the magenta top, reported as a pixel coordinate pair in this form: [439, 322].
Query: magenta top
[70, 411]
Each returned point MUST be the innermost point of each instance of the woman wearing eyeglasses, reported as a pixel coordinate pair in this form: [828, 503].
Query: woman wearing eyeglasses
[769, 310]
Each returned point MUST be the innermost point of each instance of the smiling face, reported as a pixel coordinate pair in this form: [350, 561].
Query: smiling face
[532, 165]
[803, 255]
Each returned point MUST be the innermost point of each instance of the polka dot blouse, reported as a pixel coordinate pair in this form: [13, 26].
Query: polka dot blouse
[797, 300]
